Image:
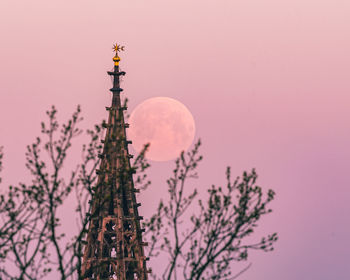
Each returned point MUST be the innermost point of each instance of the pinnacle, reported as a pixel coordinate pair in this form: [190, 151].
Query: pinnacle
[114, 247]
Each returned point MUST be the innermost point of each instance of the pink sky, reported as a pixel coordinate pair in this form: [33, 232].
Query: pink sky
[266, 81]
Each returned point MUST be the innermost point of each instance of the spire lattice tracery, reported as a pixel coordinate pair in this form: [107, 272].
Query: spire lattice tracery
[114, 248]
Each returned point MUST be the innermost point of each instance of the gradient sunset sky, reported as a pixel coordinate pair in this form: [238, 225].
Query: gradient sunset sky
[267, 81]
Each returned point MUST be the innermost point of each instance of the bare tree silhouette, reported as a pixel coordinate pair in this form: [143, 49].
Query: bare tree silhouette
[32, 245]
[216, 237]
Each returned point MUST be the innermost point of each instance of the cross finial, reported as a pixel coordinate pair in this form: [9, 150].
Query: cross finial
[117, 48]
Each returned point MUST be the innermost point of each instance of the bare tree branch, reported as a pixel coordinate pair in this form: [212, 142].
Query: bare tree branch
[203, 245]
[217, 237]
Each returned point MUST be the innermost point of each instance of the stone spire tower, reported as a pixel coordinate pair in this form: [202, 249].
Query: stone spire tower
[114, 248]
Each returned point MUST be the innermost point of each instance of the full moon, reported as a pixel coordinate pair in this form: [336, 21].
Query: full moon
[166, 124]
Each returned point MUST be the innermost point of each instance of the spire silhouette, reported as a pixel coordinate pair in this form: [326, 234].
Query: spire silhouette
[114, 246]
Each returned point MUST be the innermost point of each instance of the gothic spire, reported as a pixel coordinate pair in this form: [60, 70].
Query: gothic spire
[114, 247]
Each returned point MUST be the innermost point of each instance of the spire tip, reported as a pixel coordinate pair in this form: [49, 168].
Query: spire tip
[117, 48]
